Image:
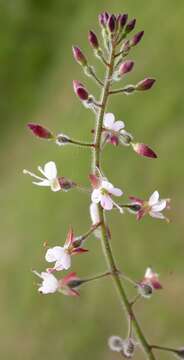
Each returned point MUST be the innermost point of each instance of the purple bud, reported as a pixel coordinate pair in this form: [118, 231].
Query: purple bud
[130, 26]
[93, 40]
[66, 184]
[112, 23]
[103, 18]
[80, 90]
[126, 67]
[144, 150]
[137, 38]
[40, 131]
[145, 84]
[79, 56]
[123, 20]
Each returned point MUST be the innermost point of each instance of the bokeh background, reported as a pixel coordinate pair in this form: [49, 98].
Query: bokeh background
[36, 73]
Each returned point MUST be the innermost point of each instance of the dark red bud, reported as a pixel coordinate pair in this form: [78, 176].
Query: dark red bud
[79, 56]
[144, 150]
[40, 131]
[137, 38]
[80, 90]
[126, 67]
[103, 18]
[123, 20]
[130, 26]
[66, 184]
[93, 40]
[112, 23]
[145, 84]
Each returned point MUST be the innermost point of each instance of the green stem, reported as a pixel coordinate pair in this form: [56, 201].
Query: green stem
[106, 247]
[80, 143]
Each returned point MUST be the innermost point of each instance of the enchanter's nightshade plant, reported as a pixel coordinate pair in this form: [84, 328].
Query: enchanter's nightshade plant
[118, 43]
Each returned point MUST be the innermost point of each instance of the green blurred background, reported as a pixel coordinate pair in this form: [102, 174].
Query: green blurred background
[36, 73]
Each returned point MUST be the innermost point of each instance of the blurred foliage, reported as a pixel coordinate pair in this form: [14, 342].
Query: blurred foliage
[36, 73]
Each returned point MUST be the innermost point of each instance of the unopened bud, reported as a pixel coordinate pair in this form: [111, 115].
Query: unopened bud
[126, 67]
[112, 23]
[115, 343]
[62, 139]
[144, 150]
[103, 18]
[80, 90]
[123, 19]
[130, 26]
[40, 131]
[79, 56]
[145, 84]
[128, 348]
[93, 40]
[66, 184]
[137, 38]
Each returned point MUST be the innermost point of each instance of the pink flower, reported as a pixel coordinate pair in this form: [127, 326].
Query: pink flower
[153, 206]
[61, 255]
[114, 131]
[50, 176]
[151, 278]
[103, 191]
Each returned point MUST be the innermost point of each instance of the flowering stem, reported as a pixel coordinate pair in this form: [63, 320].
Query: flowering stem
[97, 277]
[106, 247]
[80, 143]
[89, 232]
[117, 91]
[163, 348]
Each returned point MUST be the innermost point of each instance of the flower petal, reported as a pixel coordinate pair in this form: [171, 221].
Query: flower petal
[118, 125]
[157, 215]
[161, 205]
[154, 198]
[106, 202]
[116, 192]
[42, 183]
[55, 185]
[54, 254]
[109, 119]
[50, 170]
[96, 196]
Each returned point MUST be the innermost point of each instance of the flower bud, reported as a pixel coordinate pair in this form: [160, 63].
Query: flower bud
[80, 90]
[62, 139]
[137, 38]
[93, 40]
[145, 84]
[103, 18]
[130, 26]
[126, 67]
[40, 131]
[79, 56]
[115, 343]
[144, 150]
[128, 348]
[66, 184]
[112, 23]
[123, 19]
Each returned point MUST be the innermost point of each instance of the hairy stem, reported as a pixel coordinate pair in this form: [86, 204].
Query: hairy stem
[106, 247]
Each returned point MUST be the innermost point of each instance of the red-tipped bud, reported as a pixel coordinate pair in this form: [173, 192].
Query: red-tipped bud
[130, 26]
[40, 131]
[103, 18]
[79, 56]
[137, 38]
[144, 150]
[145, 84]
[126, 67]
[93, 40]
[80, 90]
[123, 19]
[112, 23]
[66, 184]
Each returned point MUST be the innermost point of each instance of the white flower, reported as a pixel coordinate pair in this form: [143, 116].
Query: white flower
[102, 193]
[59, 255]
[50, 176]
[49, 284]
[114, 131]
[156, 205]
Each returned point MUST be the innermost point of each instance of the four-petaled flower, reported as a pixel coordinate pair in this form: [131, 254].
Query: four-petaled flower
[103, 191]
[153, 206]
[50, 176]
[61, 255]
[49, 282]
[113, 131]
